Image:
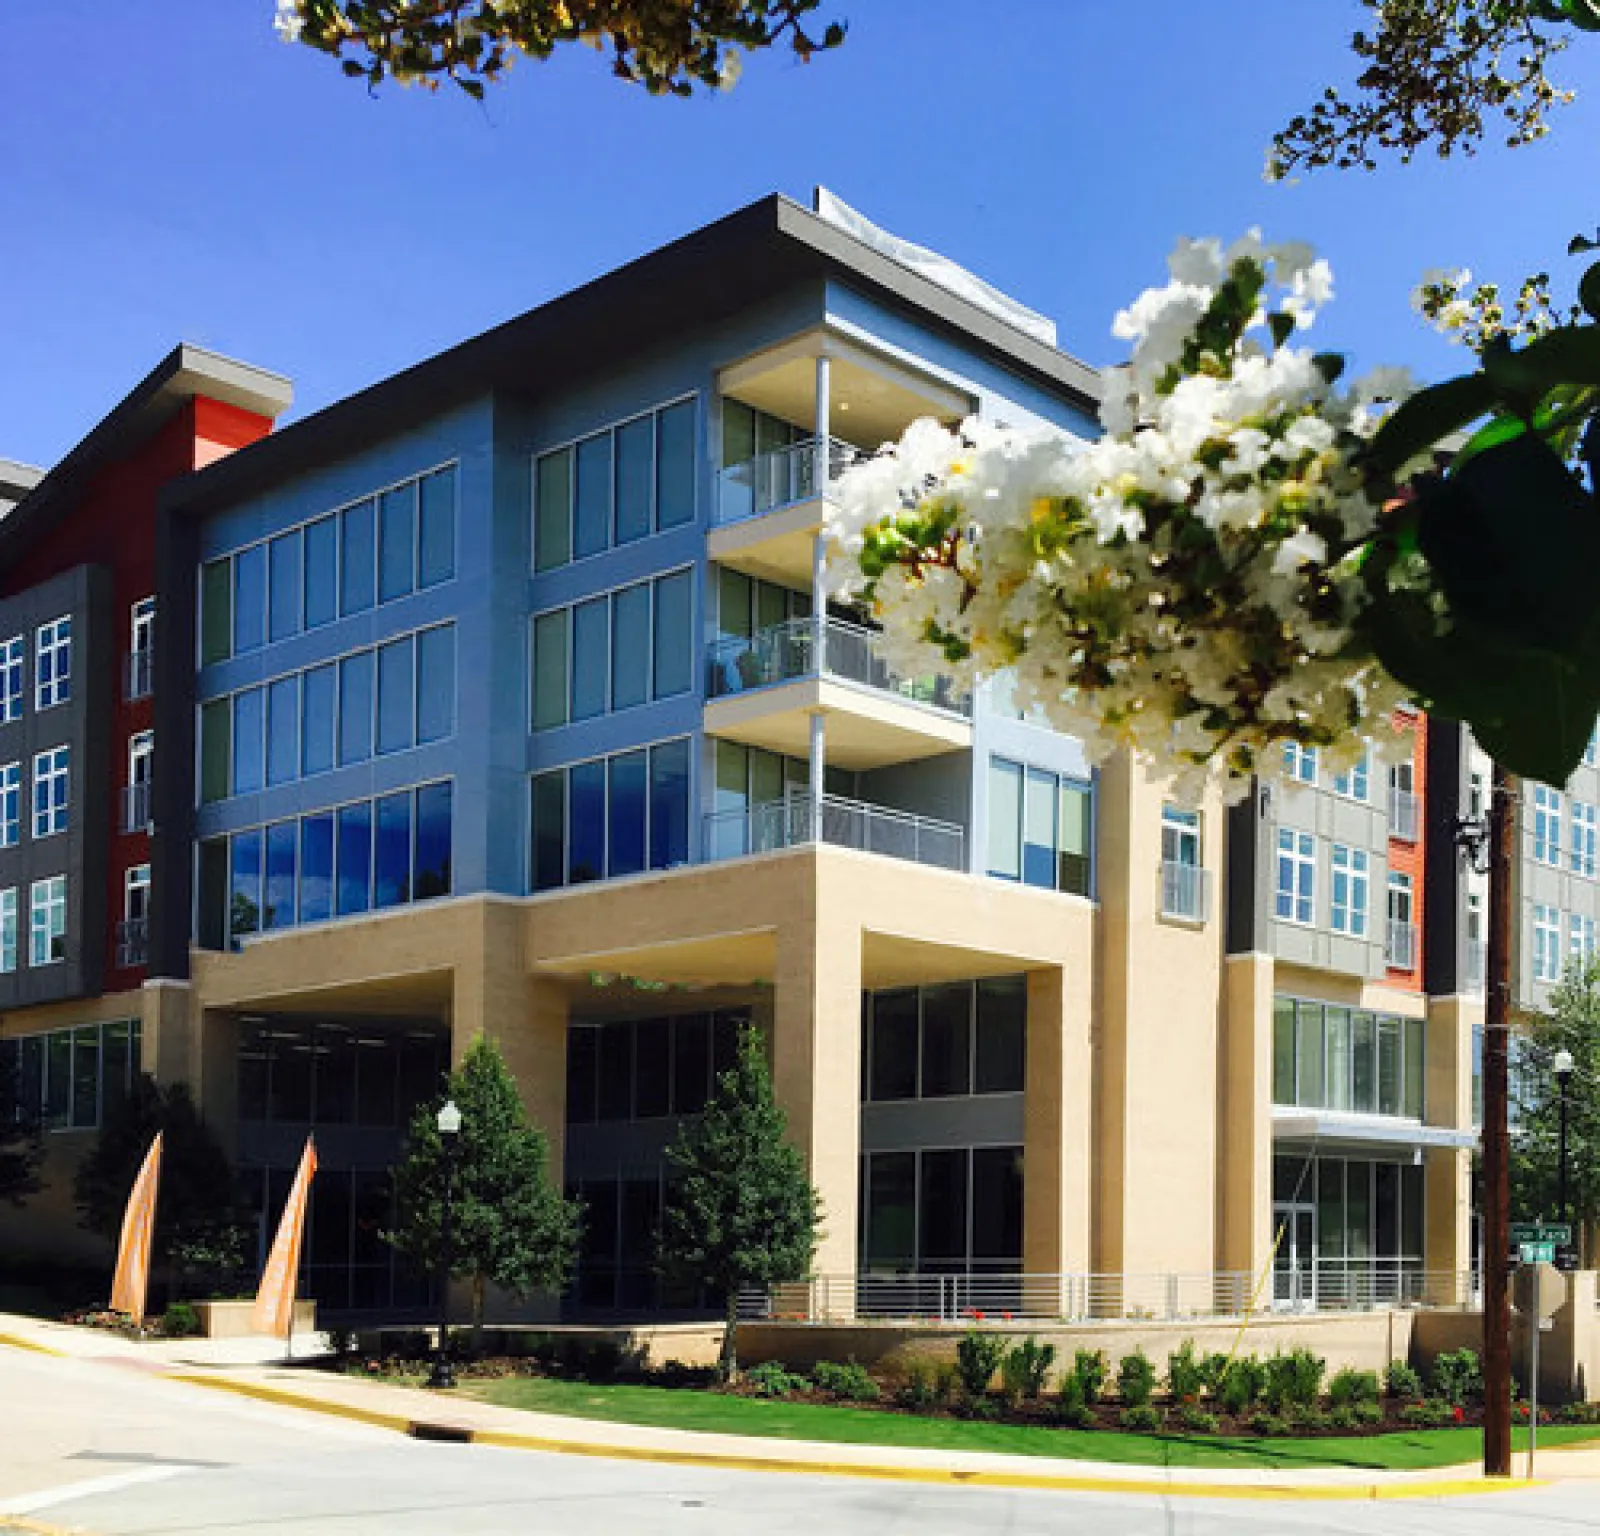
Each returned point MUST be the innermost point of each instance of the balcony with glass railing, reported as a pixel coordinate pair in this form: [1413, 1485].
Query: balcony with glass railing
[1400, 948]
[769, 509]
[140, 674]
[1403, 815]
[133, 941]
[1477, 965]
[791, 823]
[136, 814]
[763, 689]
[1185, 891]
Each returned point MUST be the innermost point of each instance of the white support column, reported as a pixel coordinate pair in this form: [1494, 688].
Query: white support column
[819, 599]
[824, 414]
[819, 757]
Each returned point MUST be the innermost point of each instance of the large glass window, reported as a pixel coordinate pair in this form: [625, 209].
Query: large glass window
[1005, 816]
[431, 875]
[586, 833]
[319, 687]
[52, 796]
[391, 884]
[1297, 876]
[673, 643]
[245, 870]
[669, 804]
[358, 555]
[354, 868]
[216, 751]
[52, 663]
[552, 525]
[549, 830]
[249, 740]
[592, 503]
[637, 803]
[70, 1079]
[1039, 828]
[283, 730]
[1350, 883]
[278, 909]
[355, 707]
[436, 683]
[1328, 1056]
[1002, 1034]
[675, 456]
[316, 868]
[436, 539]
[48, 921]
[397, 542]
[626, 808]
[285, 564]
[396, 696]
[635, 456]
[250, 599]
[1546, 825]
[322, 571]
[945, 1040]
[590, 626]
[630, 646]
[550, 689]
[216, 612]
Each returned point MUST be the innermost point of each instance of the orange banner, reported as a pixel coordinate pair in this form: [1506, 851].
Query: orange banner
[274, 1308]
[131, 1285]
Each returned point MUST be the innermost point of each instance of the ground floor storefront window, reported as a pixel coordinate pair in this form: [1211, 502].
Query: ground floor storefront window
[1348, 1230]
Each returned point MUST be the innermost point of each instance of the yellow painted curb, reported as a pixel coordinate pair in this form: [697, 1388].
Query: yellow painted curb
[404, 1424]
[10, 1523]
[14, 1342]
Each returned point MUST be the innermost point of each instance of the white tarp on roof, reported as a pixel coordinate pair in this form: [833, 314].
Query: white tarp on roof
[936, 268]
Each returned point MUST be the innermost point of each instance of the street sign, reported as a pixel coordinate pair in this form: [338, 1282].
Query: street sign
[1557, 1232]
[1536, 1253]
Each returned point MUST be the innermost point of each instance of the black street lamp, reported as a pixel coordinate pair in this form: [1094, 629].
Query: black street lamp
[1563, 1070]
[449, 1123]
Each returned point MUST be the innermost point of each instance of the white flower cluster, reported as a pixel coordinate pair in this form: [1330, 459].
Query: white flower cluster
[1185, 585]
[1475, 316]
[288, 22]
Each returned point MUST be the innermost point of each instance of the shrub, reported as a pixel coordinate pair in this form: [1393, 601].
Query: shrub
[850, 1382]
[771, 1379]
[1073, 1406]
[675, 1373]
[1351, 1386]
[1302, 1417]
[1268, 1424]
[180, 1321]
[1140, 1415]
[1197, 1421]
[1343, 1418]
[1242, 1385]
[1431, 1413]
[982, 1408]
[1402, 1382]
[1136, 1379]
[978, 1357]
[1023, 1369]
[1293, 1379]
[1456, 1377]
[1089, 1370]
[924, 1384]
[1367, 1414]
[1186, 1377]
[1213, 1372]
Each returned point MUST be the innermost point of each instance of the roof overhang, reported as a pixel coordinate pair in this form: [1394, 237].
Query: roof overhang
[1326, 1127]
[17, 480]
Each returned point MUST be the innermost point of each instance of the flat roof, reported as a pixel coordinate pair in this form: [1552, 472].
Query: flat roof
[16, 480]
[765, 248]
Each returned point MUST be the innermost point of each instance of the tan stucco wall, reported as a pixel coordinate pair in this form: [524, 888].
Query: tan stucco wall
[1245, 1149]
[1447, 1101]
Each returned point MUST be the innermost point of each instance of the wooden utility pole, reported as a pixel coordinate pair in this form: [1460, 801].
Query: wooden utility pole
[1496, 1141]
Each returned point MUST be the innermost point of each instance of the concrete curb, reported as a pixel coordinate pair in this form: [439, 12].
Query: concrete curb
[14, 1342]
[1365, 1492]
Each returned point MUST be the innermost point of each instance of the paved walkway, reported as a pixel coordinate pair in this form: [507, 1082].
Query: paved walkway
[258, 1368]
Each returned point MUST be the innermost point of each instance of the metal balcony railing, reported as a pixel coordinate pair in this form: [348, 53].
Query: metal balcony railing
[780, 478]
[1477, 964]
[133, 941]
[1185, 891]
[136, 808]
[800, 648]
[787, 823]
[139, 675]
[1402, 815]
[1400, 950]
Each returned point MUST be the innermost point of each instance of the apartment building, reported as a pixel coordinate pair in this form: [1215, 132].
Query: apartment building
[504, 697]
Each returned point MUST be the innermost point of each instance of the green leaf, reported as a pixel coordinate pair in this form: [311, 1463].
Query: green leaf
[1501, 430]
[1589, 291]
[1570, 354]
[1423, 421]
[1282, 328]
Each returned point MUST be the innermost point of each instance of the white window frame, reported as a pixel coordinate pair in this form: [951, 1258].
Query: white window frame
[1299, 763]
[1585, 826]
[1181, 837]
[1297, 850]
[52, 773]
[1580, 937]
[1352, 868]
[137, 880]
[1546, 943]
[8, 929]
[47, 900]
[13, 660]
[55, 641]
[1547, 825]
[1357, 783]
[142, 627]
[10, 804]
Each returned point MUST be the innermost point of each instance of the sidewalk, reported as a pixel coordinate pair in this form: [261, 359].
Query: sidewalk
[256, 1368]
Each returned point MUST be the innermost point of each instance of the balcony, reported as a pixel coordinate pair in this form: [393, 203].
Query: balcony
[136, 815]
[1185, 892]
[763, 690]
[1477, 965]
[133, 942]
[1400, 949]
[788, 823]
[139, 672]
[1403, 815]
[768, 510]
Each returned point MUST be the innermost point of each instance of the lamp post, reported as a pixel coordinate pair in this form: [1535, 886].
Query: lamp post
[1563, 1070]
[449, 1123]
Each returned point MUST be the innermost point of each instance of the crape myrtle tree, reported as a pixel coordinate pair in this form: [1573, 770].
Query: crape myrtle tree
[1572, 1022]
[202, 1233]
[740, 1210]
[511, 1227]
[670, 47]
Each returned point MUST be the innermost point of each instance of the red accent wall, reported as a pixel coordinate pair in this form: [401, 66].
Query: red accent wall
[113, 524]
[1408, 857]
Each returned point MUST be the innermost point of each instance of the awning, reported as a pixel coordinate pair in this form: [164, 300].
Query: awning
[1326, 1125]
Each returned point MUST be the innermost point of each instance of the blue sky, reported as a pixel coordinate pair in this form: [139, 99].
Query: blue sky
[173, 172]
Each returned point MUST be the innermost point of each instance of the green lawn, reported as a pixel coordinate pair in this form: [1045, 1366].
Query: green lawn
[690, 1409]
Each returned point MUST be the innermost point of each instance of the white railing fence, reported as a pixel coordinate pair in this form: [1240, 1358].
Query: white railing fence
[787, 823]
[1403, 815]
[776, 479]
[1185, 891]
[1401, 948]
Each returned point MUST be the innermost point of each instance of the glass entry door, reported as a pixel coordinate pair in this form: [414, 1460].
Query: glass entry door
[1294, 1263]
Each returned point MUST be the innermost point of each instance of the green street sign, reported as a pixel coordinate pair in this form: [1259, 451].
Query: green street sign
[1555, 1232]
[1536, 1253]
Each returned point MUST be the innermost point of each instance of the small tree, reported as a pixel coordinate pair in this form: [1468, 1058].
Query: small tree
[20, 1146]
[741, 1210]
[510, 1226]
[201, 1230]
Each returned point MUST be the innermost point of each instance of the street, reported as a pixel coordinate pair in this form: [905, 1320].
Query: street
[105, 1447]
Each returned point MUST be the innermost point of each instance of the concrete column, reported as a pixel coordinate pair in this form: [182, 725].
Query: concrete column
[823, 418]
[818, 769]
[495, 995]
[1447, 1101]
[1244, 1182]
[1057, 1158]
[816, 1070]
[169, 1039]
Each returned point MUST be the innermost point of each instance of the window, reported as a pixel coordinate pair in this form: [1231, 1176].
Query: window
[136, 894]
[436, 527]
[249, 599]
[1297, 876]
[358, 556]
[948, 1040]
[1477, 794]
[138, 810]
[52, 663]
[397, 542]
[355, 708]
[611, 817]
[1356, 784]
[1401, 939]
[317, 690]
[1399, 897]
[396, 696]
[1180, 836]
[1594, 745]
[1580, 938]
[141, 648]
[1583, 839]
[1349, 905]
[1546, 825]
[1299, 763]
[285, 575]
[70, 1079]
[353, 881]
[50, 791]
[615, 486]
[11, 658]
[283, 730]
[1039, 828]
[321, 575]
[1328, 1056]
[8, 929]
[1546, 943]
[249, 740]
[216, 750]
[48, 921]
[10, 804]
[436, 683]
[278, 886]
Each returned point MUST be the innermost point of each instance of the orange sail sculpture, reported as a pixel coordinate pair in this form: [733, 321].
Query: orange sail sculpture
[130, 1287]
[274, 1308]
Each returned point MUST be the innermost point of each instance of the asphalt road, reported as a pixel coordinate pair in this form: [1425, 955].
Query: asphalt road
[97, 1447]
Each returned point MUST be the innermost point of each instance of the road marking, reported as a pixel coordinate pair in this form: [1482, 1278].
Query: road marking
[88, 1489]
[15, 1342]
